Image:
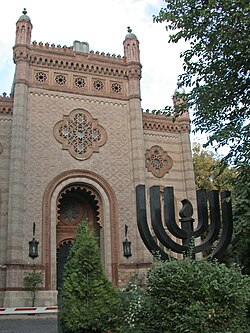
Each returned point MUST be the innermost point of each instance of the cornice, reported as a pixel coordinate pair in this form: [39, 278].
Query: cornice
[84, 65]
[44, 55]
[158, 123]
[160, 134]
[77, 98]
[51, 56]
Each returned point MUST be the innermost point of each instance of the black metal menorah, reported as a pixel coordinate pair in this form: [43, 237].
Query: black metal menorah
[218, 232]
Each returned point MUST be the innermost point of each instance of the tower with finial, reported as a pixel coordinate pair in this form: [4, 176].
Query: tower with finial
[131, 47]
[23, 29]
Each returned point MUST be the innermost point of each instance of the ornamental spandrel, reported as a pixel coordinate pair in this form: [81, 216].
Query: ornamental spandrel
[80, 134]
[158, 161]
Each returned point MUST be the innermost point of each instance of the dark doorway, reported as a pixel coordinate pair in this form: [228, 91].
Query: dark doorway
[75, 204]
[62, 256]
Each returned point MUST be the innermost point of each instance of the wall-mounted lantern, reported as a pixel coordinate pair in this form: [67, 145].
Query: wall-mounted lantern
[33, 245]
[126, 245]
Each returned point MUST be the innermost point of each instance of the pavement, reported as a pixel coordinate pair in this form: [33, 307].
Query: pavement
[28, 324]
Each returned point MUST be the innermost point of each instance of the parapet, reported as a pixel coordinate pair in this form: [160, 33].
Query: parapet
[6, 104]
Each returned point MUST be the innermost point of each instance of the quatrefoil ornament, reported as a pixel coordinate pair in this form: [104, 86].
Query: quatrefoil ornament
[158, 161]
[80, 134]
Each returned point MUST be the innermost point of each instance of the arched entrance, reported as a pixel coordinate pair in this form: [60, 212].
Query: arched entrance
[75, 203]
[106, 217]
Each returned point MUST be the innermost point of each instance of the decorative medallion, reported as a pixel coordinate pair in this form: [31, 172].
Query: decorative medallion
[158, 161]
[98, 84]
[79, 82]
[116, 88]
[41, 77]
[80, 134]
[60, 79]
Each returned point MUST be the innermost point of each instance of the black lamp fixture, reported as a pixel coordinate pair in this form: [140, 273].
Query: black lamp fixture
[33, 245]
[126, 245]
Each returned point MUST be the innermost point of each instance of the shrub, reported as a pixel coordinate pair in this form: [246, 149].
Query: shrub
[195, 297]
[89, 301]
[32, 281]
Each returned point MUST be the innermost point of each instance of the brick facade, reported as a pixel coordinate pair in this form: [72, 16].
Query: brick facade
[38, 170]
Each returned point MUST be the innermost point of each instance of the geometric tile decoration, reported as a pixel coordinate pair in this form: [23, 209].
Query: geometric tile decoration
[158, 161]
[80, 134]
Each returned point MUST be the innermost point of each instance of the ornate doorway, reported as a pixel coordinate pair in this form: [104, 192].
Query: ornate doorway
[75, 203]
[105, 213]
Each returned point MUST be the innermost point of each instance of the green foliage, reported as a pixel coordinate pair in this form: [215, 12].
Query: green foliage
[89, 301]
[216, 68]
[241, 215]
[195, 297]
[211, 173]
[133, 303]
[32, 281]
[217, 77]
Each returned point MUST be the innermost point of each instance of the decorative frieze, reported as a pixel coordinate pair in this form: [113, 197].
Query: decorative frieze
[116, 70]
[78, 83]
[152, 122]
[78, 98]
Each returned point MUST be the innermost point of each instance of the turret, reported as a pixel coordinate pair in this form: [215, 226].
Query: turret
[131, 47]
[181, 103]
[23, 29]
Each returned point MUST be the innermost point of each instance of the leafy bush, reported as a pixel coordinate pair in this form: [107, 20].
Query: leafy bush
[192, 296]
[32, 281]
[89, 301]
[132, 304]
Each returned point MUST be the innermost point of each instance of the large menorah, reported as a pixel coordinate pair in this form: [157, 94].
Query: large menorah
[214, 236]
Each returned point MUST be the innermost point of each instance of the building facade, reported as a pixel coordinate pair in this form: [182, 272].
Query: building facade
[74, 144]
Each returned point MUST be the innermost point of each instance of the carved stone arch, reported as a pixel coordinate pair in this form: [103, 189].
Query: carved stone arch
[65, 241]
[77, 202]
[110, 222]
[90, 191]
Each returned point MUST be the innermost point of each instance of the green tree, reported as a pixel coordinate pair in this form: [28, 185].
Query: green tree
[210, 172]
[241, 215]
[193, 296]
[89, 301]
[217, 77]
[216, 68]
[32, 281]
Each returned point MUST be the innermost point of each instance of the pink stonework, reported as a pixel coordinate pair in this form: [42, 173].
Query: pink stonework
[74, 143]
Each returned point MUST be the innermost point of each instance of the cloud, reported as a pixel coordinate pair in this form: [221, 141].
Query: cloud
[103, 24]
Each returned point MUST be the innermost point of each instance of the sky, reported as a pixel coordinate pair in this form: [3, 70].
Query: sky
[103, 24]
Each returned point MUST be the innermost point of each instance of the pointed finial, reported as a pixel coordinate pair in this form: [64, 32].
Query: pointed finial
[24, 11]
[129, 30]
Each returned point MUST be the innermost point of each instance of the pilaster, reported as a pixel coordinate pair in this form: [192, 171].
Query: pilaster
[15, 250]
[132, 57]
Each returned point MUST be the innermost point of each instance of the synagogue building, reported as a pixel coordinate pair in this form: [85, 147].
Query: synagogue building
[74, 144]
